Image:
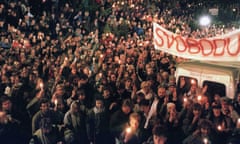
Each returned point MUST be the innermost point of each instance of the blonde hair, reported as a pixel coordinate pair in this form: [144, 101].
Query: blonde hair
[135, 115]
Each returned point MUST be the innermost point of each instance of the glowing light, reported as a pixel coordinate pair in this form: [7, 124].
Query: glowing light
[128, 130]
[185, 99]
[205, 20]
[219, 127]
[199, 98]
[41, 85]
[205, 141]
[55, 102]
[100, 75]
[193, 81]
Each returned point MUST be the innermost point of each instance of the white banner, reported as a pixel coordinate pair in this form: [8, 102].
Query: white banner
[223, 48]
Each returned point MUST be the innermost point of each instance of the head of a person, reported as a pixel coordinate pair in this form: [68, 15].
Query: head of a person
[134, 121]
[106, 92]
[127, 106]
[161, 92]
[205, 127]
[44, 105]
[74, 107]
[81, 94]
[197, 109]
[6, 104]
[171, 107]
[99, 103]
[216, 108]
[144, 106]
[139, 96]
[128, 83]
[159, 134]
[145, 86]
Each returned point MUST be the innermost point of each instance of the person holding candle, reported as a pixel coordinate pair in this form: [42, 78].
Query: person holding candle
[223, 124]
[204, 134]
[132, 133]
[190, 123]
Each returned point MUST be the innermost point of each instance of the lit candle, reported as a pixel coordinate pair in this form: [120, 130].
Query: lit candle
[205, 141]
[119, 61]
[184, 99]
[55, 102]
[66, 58]
[100, 75]
[199, 98]
[219, 127]
[101, 55]
[128, 130]
[41, 85]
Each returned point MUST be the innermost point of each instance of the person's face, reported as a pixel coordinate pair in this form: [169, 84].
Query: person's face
[159, 139]
[196, 112]
[126, 109]
[161, 92]
[145, 109]
[204, 131]
[134, 123]
[106, 93]
[74, 109]
[99, 104]
[7, 105]
[216, 112]
[81, 96]
[44, 107]
[113, 78]
[128, 83]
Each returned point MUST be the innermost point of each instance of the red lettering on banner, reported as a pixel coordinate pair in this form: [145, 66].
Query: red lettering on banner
[216, 47]
[169, 43]
[238, 48]
[225, 45]
[160, 37]
[193, 45]
[178, 42]
[204, 47]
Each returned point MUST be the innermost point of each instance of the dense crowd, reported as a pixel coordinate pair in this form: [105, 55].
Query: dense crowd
[86, 71]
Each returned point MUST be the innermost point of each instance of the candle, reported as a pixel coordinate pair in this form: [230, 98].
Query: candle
[184, 99]
[100, 75]
[199, 98]
[41, 85]
[55, 102]
[205, 140]
[219, 127]
[119, 61]
[128, 130]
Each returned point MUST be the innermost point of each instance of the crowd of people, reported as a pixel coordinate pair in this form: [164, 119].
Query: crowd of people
[86, 71]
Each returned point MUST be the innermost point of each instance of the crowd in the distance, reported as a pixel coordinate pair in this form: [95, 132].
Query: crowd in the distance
[86, 71]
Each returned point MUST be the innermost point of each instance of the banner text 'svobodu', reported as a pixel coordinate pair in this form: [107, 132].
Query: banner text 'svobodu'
[221, 48]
